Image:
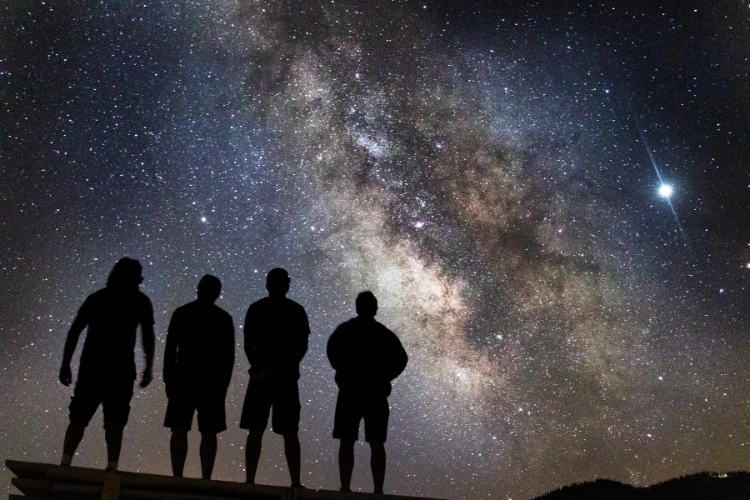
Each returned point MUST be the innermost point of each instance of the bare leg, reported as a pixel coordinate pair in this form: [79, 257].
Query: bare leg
[377, 462]
[178, 449]
[346, 463]
[208, 453]
[113, 437]
[293, 456]
[252, 452]
[73, 437]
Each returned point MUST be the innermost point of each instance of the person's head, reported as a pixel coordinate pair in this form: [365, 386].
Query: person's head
[277, 281]
[367, 304]
[209, 288]
[126, 273]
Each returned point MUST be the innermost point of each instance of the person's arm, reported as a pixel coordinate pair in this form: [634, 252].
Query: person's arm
[304, 339]
[249, 341]
[71, 341]
[149, 343]
[148, 338]
[228, 353]
[332, 349]
[170, 350]
[397, 358]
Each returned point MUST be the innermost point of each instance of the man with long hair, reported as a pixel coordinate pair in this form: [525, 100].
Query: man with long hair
[107, 371]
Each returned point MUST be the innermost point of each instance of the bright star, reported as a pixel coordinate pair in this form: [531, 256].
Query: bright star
[665, 190]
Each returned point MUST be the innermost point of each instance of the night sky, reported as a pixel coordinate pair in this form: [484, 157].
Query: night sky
[489, 170]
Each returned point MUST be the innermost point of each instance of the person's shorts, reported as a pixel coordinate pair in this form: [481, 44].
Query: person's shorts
[351, 408]
[114, 396]
[262, 394]
[210, 405]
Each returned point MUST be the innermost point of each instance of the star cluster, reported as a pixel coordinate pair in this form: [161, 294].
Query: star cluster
[482, 168]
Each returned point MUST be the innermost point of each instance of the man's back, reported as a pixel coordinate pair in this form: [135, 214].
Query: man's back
[200, 345]
[276, 335]
[366, 355]
[112, 316]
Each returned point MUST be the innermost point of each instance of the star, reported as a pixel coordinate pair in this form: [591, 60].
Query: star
[666, 190]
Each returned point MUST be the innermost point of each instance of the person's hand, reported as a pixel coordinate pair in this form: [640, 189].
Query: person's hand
[147, 377]
[66, 376]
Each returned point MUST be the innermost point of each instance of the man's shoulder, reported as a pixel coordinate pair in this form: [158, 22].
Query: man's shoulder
[185, 308]
[258, 304]
[142, 299]
[195, 307]
[97, 296]
[380, 332]
[348, 324]
[383, 329]
[275, 303]
[109, 294]
[220, 312]
[296, 306]
[361, 323]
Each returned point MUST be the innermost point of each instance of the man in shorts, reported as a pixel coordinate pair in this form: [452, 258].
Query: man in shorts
[198, 362]
[367, 356]
[276, 336]
[107, 370]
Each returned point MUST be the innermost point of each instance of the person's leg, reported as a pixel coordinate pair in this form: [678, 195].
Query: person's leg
[346, 463]
[252, 451]
[346, 430]
[178, 449]
[293, 456]
[285, 421]
[86, 399]
[255, 412]
[376, 417]
[113, 437]
[116, 398]
[73, 437]
[208, 453]
[212, 420]
[377, 463]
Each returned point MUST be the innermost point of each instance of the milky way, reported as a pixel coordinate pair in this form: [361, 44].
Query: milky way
[482, 169]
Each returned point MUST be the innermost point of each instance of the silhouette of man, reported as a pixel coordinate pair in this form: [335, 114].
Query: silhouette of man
[107, 369]
[367, 356]
[198, 362]
[276, 336]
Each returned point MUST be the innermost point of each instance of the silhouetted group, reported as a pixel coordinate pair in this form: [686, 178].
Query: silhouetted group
[198, 362]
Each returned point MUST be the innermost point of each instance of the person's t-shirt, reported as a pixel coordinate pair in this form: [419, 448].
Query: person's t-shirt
[276, 335]
[112, 316]
[200, 347]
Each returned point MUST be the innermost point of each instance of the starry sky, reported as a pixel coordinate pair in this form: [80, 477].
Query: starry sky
[490, 170]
